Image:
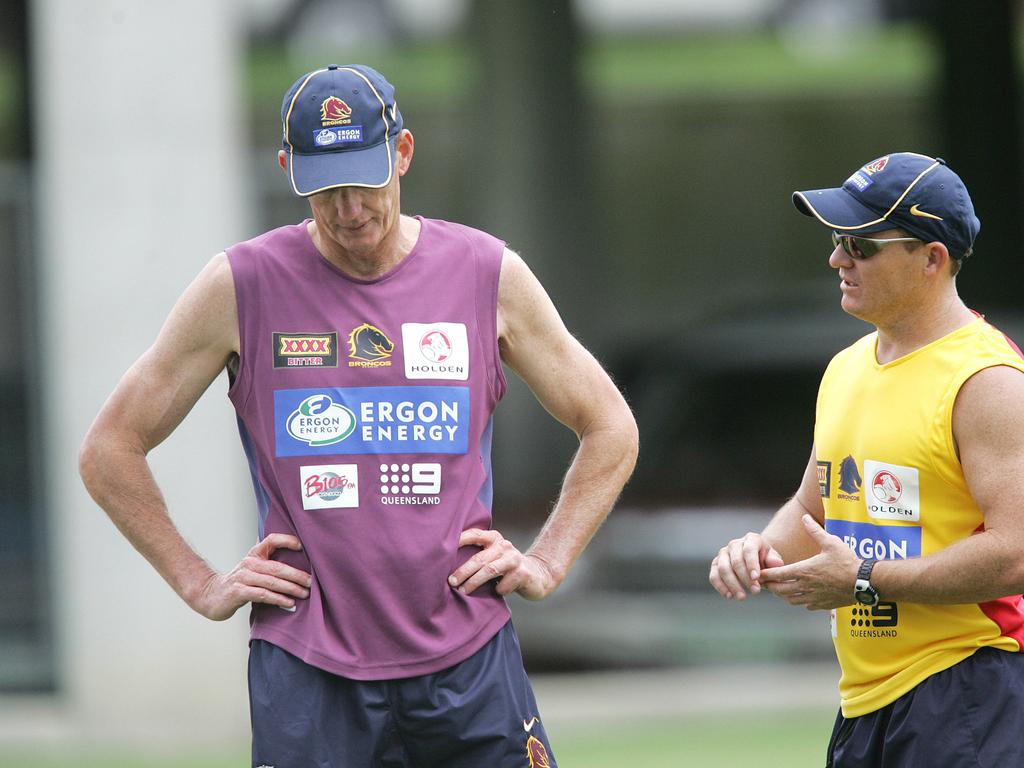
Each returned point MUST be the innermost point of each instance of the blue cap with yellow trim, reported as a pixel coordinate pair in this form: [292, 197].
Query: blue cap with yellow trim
[903, 190]
[339, 125]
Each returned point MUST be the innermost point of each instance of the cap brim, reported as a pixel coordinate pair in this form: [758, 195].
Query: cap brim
[838, 209]
[369, 167]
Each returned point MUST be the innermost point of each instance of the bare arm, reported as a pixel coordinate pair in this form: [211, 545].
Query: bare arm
[572, 387]
[988, 425]
[738, 564]
[196, 342]
[784, 532]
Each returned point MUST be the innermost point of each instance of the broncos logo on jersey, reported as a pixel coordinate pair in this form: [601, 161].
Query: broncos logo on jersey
[369, 344]
[849, 477]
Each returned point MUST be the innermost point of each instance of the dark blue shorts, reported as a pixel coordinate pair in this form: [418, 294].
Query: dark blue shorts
[970, 715]
[480, 713]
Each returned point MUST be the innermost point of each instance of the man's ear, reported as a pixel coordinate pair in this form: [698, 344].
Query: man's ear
[404, 146]
[938, 258]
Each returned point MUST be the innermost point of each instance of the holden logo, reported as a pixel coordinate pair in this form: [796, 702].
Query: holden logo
[886, 487]
[436, 346]
[320, 421]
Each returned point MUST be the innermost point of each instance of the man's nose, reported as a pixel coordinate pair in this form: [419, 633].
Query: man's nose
[839, 258]
[349, 202]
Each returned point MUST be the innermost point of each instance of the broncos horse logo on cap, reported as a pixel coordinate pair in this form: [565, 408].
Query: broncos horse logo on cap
[334, 111]
[876, 166]
[369, 344]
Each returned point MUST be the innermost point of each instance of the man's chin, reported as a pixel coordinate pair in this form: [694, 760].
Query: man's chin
[853, 309]
[364, 240]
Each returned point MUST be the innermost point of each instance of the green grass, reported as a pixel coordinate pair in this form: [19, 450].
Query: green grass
[784, 740]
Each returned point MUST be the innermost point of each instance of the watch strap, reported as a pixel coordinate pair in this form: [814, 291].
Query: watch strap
[866, 566]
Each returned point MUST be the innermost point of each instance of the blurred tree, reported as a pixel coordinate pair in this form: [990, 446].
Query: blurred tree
[529, 181]
[978, 107]
[14, 45]
[532, 131]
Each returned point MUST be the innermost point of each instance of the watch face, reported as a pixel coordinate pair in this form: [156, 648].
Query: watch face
[865, 597]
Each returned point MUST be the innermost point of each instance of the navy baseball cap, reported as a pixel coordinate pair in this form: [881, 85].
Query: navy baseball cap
[904, 190]
[339, 125]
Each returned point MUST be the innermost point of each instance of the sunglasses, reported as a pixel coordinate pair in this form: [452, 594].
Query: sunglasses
[861, 248]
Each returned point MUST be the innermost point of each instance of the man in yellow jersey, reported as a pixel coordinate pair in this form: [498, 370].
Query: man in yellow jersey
[909, 522]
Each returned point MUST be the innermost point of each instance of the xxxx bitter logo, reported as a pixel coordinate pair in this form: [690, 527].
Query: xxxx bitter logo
[306, 350]
[334, 111]
[825, 478]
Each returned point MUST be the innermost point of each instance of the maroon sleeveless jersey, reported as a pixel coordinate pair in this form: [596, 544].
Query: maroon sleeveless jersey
[364, 408]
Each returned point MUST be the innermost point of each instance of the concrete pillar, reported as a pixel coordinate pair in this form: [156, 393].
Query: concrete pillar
[141, 135]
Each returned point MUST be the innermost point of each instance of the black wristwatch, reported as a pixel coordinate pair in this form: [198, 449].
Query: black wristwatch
[863, 592]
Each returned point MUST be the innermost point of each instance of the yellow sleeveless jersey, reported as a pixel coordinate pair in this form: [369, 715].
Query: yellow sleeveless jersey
[892, 487]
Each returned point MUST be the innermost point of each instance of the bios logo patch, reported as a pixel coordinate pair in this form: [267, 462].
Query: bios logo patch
[329, 486]
[306, 350]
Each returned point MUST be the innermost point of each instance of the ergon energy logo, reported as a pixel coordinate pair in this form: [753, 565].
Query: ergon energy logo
[880, 542]
[371, 420]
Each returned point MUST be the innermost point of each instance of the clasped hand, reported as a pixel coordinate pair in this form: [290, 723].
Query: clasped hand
[820, 582]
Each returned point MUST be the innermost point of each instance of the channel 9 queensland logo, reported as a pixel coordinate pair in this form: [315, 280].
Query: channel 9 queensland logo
[320, 421]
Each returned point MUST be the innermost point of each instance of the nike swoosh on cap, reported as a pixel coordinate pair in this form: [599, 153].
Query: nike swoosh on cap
[915, 211]
[528, 726]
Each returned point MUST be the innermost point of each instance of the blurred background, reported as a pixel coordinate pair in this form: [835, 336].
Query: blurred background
[640, 156]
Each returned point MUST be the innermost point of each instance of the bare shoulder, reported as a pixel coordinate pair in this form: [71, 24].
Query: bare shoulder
[207, 313]
[197, 340]
[534, 342]
[513, 270]
[524, 307]
[990, 406]
[214, 283]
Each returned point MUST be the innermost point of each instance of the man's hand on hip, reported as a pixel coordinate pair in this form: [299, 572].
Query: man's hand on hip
[256, 579]
[500, 560]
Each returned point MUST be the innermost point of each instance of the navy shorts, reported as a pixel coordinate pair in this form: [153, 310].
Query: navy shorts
[971, 714]
[480, 713]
